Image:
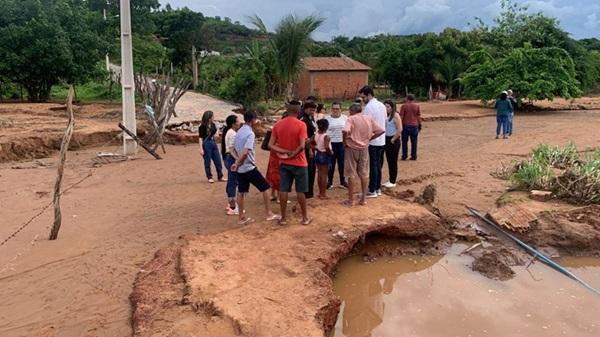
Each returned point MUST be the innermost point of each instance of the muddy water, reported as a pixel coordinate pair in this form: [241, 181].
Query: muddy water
[441, 296]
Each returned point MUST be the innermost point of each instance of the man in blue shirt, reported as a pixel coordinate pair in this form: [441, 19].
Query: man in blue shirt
[248, 173]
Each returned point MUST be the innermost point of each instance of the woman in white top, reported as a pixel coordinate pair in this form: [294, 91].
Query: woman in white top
[337, 121]
[232, 124]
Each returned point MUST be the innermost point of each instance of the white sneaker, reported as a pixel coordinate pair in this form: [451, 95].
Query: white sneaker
[371, 195]
[378, 193]
[235, 211]
[389, 185]
[211, 180]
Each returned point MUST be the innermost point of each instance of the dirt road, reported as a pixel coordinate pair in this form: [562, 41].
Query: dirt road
[114, 221]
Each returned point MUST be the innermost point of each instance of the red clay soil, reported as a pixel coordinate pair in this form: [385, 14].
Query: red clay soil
[31, 131]
[284, 271]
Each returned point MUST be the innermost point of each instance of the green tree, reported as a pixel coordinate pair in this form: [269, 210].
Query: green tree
[247, 83]
[43, 42]
[290, 43]
[448, 70]
[532, 73]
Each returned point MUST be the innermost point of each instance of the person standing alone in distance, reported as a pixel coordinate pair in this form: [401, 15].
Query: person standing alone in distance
[410, 113]
[377, 111]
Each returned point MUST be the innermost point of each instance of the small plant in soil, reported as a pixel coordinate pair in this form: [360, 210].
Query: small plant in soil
[561, 170]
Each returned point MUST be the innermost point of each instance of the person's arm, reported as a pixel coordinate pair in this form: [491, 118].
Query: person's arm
[240, 159]
[328, 146]
[419, 116]
[377, 130]
[201, 147]
[345, 132]
[273, 144]
[201, 135]
[398, 122]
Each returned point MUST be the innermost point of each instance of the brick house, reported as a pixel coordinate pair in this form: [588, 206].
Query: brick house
[331, 77]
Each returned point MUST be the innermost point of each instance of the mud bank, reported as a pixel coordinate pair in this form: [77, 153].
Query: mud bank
[266, 280]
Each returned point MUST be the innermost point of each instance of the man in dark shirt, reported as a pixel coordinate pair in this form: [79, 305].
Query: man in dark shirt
[410, 113]
[309, 119]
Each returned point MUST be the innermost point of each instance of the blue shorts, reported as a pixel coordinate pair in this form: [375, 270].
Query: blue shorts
[322, 158]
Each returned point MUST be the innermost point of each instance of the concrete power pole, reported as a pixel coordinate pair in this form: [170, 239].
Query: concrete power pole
[127, 81]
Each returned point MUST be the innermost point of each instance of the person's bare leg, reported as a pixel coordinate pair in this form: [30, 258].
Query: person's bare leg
[240, 201]
[302, 202]
[323, 171]
[283, 199]
[350, 200]
[364, 182]
[267, 203]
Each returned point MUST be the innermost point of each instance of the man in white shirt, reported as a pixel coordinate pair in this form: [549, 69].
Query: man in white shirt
[337, 121]
[377, 111]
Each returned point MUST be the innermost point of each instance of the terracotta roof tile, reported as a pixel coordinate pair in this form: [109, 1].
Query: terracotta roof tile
[333, 63]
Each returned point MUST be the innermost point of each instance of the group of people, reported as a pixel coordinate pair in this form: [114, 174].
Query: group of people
[306, 145]
[505, 112]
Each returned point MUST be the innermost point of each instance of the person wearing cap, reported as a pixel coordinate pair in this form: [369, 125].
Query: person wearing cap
[503, 110]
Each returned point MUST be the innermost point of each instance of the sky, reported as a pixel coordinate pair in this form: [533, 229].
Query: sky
[581, 18]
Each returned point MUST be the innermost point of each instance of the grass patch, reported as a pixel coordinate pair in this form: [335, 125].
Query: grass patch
[88, 92]
[561, 170]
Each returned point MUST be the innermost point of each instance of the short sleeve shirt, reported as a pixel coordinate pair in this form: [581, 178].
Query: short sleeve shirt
[359, 129]
[336, 126]
[244, 139]
[229, 137]
[377, 111]
[289, 132]
[207, 132]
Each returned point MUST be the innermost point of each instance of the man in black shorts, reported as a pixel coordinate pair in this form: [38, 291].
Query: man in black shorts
[289, 140]
[245, 166]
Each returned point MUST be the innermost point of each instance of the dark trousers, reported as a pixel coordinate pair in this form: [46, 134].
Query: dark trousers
[232, 182]
[375, 153]
[501, 124]
[338, 156]
[311, 174]
[392, 151]
[211, 153]
[412, 133]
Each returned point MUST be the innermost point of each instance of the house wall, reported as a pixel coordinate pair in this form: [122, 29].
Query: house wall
[331, 84]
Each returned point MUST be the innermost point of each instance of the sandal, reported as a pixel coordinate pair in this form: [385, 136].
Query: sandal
[274, 217]
[347, 203]
[282, 222]
[307, 221]
[245, 221]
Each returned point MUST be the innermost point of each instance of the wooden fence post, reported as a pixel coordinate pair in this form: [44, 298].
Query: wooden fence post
[64, 146]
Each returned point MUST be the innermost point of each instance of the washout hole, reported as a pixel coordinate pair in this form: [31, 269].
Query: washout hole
[439, 295]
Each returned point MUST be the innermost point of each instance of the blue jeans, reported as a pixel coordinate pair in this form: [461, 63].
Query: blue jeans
[232, 180]
[412, 133]
[338, 156]
[501, 124]
[211, 153]
[510, 123]
[375, 153]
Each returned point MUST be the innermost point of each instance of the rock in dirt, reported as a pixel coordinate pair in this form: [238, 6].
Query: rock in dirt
[428, 195]
[540, 195]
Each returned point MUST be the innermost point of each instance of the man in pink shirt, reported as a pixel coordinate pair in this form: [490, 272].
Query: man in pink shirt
[358, 132]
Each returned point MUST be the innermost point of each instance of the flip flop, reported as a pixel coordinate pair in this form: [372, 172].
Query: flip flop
[362, 202]
[282, 222]
[274, 217]
[347, 203]
[307, 221]
[245, 221]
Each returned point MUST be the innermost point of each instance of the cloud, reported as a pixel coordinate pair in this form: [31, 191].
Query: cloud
[351, 18]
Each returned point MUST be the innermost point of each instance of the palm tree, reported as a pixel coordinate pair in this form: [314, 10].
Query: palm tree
[289, 44]
[447, 71]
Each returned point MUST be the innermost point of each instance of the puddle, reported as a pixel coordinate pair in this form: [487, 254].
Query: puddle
[441, 296]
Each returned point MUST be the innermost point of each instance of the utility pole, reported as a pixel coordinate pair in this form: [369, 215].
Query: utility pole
[194, 68]
[127, 81]
[107, 59]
